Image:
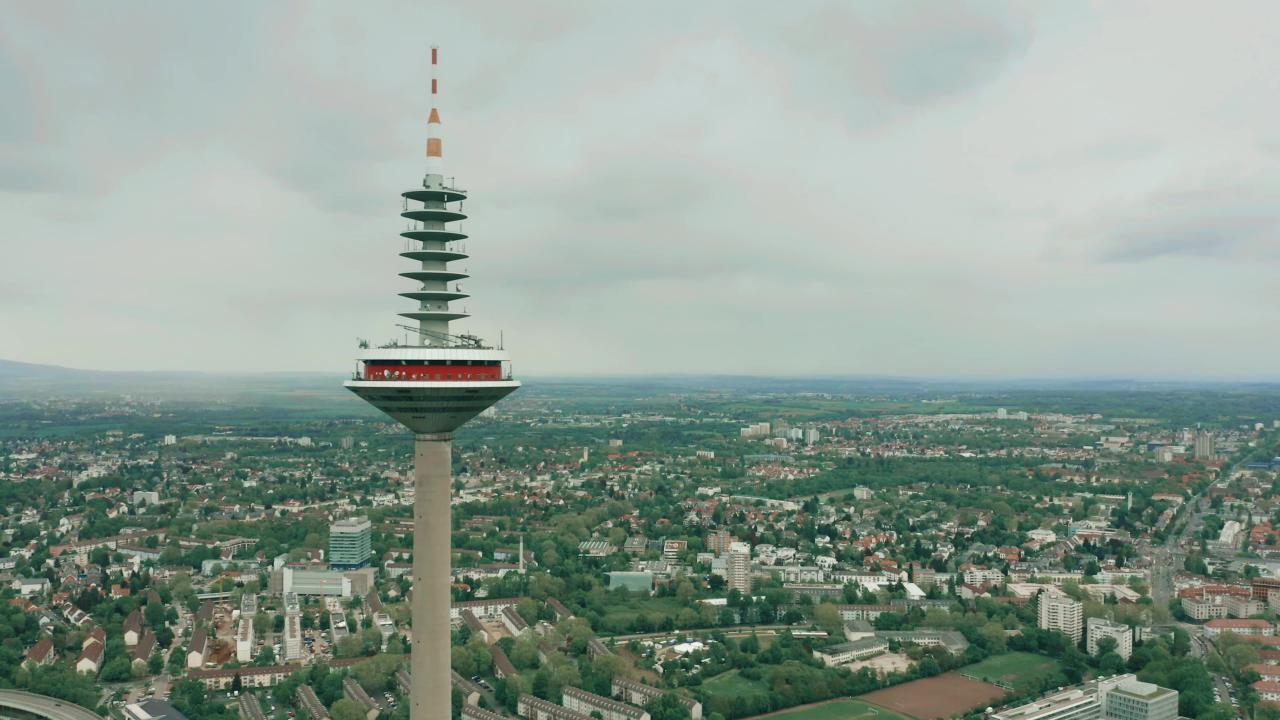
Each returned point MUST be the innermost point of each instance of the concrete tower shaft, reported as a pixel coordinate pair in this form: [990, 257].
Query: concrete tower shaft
[432, 386]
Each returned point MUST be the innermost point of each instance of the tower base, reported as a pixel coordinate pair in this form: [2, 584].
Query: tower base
[431, 693]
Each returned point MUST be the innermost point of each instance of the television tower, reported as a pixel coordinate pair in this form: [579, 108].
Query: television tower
[432, 384]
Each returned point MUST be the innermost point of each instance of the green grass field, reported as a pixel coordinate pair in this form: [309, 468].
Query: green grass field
[620, 616]
[732, 684]
[841, 710]
[1018, 670]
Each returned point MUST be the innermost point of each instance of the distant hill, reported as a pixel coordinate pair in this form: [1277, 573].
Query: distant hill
[27, 380]
[15, 369]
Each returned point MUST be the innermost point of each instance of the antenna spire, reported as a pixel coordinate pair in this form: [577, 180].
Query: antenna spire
[435, 151]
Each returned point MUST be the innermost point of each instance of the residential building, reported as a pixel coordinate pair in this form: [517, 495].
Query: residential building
[1268, 690]
[42, 653]
[250, 677]
[512, 621]
[738, 568]
[608, 708]
[1062, 614]
[640, 694]
[310, 704]
[1207, 608]
[90, 660]
[1214, 628]
[244, 639]
[1099, 628]
[352, 690]
[473, 712]
[470, 691]
[197, 649]
[535, 708]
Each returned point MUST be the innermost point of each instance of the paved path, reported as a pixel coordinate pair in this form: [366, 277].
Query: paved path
[44, 706]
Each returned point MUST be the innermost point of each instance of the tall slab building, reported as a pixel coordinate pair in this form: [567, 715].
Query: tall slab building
[432, 384]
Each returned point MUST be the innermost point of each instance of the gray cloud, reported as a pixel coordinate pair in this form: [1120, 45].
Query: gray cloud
[1221, 221]
[808, 187]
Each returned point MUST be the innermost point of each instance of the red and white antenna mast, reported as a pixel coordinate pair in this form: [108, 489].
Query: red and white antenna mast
[435, 149]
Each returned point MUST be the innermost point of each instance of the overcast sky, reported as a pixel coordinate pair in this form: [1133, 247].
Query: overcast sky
[930, 189]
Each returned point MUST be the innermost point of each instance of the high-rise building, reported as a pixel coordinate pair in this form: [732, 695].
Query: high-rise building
[718, 542]
[349, 543]
[291, 647]
[1099, 628]
[432, 383]
[1206, 445]
[1062, 614]
[738, 568]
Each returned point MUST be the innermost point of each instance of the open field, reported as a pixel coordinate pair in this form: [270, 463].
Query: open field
[836, 710]
[622, 615]
[937, 697]
[732, 684]
[1018, 671]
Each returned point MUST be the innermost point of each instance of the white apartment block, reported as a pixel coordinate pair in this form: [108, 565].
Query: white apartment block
[1099, 628]
[608, 708]
[244, 639]
[1062, 614]
[738, 567]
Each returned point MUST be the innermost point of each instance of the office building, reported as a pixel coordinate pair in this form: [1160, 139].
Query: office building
[1136, 700]
[1120, 697]
[349, 543]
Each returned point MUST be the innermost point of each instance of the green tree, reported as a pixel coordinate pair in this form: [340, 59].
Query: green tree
[827, 616]
[116, 670]
[347, 709]
[667, 707]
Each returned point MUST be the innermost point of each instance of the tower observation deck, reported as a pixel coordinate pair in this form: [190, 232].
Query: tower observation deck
[432, 386]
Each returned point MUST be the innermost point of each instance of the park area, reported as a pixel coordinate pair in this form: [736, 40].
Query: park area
[835, 710]
[1019, 672]
[941, 696]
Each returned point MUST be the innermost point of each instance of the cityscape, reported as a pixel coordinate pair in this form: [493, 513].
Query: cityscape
[679, 492]
[661, 549]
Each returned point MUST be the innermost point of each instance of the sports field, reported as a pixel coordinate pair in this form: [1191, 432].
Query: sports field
[836, 710]
[1020, 671]
[941, 696]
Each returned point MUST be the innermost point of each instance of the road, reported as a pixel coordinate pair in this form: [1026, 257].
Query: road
[1168, 559]
[44, 706]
